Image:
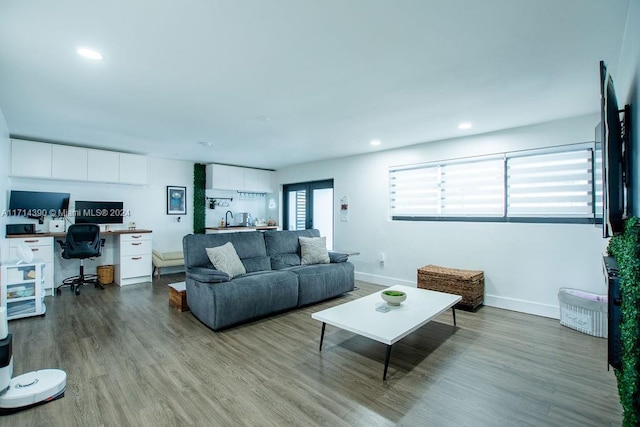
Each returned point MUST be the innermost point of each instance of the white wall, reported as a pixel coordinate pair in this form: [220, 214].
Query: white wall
[627, 81]
[257, 206]
[524, 264]
[5, 151]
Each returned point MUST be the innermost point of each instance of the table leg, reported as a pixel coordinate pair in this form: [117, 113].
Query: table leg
[454, 315]
[386, 362]
[322, 335]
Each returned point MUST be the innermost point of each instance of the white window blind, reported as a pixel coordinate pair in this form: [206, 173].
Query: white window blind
[415, 191]
[562, 183]
[469, 188]
[473, 188]
[550, 185]
[597, 181]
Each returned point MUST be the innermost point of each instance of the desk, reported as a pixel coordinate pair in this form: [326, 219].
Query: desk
[131, 254]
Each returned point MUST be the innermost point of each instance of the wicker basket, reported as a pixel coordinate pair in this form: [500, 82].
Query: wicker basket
[467, 283]
[105, 274]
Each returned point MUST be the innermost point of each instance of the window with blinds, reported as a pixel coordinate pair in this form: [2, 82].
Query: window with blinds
[559, 185]
[556, 185]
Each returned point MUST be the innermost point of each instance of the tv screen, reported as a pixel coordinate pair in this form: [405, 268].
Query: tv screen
[613, 180]
[38, 204]
[92, 212]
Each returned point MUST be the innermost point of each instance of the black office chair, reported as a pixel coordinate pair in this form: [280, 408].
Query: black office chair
[83, 241]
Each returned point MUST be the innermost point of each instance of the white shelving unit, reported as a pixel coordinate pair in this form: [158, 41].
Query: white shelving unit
[22, 291]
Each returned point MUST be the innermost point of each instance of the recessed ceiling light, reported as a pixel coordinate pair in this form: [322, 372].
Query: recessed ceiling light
[206, 143]
[89, 53]
[375, 142]
[465, 126]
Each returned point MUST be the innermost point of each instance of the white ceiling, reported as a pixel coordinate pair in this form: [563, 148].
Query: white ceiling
[330, 75]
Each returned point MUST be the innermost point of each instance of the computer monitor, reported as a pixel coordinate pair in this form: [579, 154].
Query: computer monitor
[38, 204]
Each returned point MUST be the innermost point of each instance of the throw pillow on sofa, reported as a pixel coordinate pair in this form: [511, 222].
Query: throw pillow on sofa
[313, 250]
[226, 259]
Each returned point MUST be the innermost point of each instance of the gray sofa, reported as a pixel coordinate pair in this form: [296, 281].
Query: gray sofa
[275, 280]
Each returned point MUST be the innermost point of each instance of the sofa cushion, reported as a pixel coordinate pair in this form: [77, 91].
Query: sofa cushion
[248, 244]
[246, 297]
[261, 263]
[225, 258]
[207, 275]
[313, 250]
[283, 247]
[321, 281]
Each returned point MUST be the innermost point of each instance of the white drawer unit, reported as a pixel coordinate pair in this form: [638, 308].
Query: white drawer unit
[133, 258]
[42, 248]
[22, 291]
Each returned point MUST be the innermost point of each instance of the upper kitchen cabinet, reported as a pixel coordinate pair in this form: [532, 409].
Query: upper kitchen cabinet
[68, 162]
[223, 177]
[104, 166]
[30, 159]
[133, 169]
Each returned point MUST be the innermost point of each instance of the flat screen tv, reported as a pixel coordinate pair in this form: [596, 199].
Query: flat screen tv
[93, 212]
[610, 132]
[38, 204]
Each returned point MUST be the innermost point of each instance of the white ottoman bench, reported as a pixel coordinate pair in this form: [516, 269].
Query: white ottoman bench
[166, 259]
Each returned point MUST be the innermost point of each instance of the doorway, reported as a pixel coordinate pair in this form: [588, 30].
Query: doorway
[309, 205]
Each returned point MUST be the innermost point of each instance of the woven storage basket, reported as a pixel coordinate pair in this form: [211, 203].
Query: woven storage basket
[467, 283]
[105, 274]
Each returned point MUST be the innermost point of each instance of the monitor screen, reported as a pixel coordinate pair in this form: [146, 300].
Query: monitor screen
[38, 204]
[93, 212]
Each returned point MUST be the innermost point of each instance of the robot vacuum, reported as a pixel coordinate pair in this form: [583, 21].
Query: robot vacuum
[26, 390]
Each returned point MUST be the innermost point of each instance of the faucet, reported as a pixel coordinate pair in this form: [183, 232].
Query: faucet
[226, 220]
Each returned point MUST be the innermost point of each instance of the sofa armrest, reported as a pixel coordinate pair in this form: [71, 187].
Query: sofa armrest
[206, 275]
[338, 256]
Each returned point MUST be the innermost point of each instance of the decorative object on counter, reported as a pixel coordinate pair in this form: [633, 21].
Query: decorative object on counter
[393, 297]
[132, 225]
[271, 222]
[176, 200]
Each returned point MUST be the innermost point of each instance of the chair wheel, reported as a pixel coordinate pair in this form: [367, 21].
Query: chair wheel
[78, 291]
[58, 291]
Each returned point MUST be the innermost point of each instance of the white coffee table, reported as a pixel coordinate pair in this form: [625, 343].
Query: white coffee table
[361, 317]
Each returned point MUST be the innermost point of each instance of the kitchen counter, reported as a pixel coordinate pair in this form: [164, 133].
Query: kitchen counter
[236, 229]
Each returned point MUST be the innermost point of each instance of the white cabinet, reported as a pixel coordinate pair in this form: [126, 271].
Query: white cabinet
[133, 169]
[250, 179]
[103, 166]
[22, 289]
[68, 162]
[133, 258]
[42, 248]
[41, 160]
[266, 181]
[30, 159]
[223, 177]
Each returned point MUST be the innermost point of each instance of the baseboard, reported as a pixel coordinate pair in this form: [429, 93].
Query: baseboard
[522, 306]
[383, 280]
[544, 310]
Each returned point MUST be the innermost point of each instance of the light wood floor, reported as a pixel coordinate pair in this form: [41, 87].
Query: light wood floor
[131, 360]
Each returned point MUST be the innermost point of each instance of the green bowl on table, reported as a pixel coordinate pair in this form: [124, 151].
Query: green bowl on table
[393, 297]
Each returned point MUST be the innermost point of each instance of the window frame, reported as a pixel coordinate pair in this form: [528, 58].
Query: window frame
[595, 218]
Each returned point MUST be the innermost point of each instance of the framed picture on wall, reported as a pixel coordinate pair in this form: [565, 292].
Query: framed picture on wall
[176, 200]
